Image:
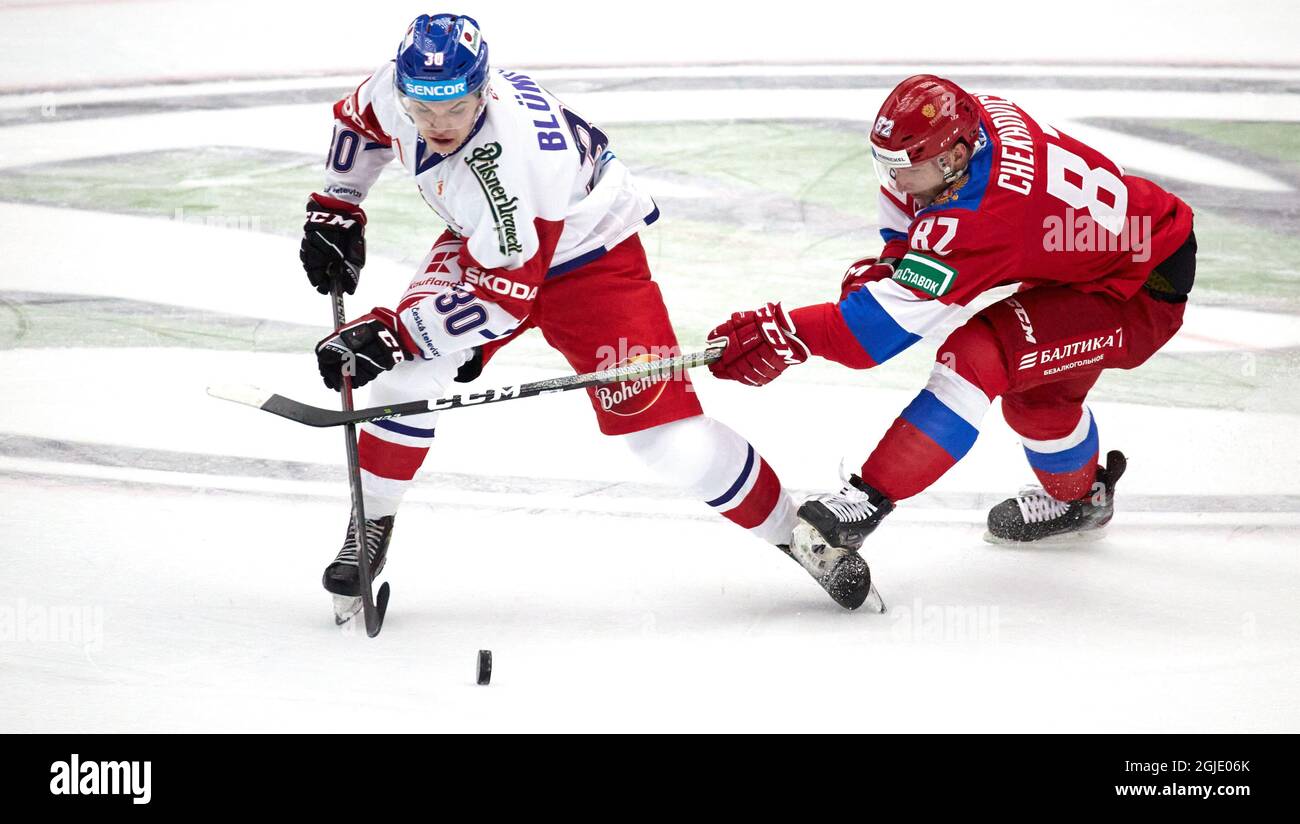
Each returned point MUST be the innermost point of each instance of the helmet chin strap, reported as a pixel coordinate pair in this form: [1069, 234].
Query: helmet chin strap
[950, 175]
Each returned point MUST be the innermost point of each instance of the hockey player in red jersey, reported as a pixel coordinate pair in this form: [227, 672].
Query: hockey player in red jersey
[976, 194]
[542, 232]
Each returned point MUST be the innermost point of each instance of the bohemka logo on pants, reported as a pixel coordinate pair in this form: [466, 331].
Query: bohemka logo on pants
[76, 777]
[628, 398]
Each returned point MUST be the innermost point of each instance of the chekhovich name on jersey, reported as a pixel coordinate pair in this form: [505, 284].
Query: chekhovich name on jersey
[1017, 166]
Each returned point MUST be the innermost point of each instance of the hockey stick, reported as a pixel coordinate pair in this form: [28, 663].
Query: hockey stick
[317, 416]
[374, 612]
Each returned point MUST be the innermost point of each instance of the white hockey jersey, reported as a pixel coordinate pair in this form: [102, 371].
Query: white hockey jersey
[535, 192]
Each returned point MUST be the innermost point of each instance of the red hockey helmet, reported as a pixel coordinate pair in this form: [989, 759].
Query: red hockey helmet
[923, 117]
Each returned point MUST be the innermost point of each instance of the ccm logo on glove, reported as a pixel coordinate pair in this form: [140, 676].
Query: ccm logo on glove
[758, 346]
[333, 248]
[362, 350]
[331, 219]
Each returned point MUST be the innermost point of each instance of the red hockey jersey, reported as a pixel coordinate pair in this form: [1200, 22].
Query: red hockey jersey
[1036, 207]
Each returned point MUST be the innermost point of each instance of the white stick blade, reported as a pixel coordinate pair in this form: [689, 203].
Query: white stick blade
[240, 393]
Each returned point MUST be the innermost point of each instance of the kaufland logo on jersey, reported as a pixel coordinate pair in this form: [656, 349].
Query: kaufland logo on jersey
[627, 398]
[443, 256]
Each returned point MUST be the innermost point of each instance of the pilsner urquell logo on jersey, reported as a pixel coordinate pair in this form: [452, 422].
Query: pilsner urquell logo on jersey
[925, 274]
[483, 162]
[627, 398]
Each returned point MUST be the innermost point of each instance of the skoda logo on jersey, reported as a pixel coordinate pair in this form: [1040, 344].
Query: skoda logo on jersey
[433, 91]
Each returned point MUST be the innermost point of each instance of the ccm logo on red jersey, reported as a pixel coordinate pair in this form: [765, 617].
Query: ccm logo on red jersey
[1023, 316]
[499, 285]
[330, 219]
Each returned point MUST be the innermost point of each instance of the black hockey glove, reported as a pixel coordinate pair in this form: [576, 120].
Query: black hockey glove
[472, 368]
[366, 347]
[333, 244]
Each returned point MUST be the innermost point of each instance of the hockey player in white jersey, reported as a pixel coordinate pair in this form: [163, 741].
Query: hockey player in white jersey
[542, 221]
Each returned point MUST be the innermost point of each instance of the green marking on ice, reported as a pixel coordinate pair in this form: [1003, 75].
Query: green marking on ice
[39, 321]
[1248, 251]
[1277, 141]
[752, 211]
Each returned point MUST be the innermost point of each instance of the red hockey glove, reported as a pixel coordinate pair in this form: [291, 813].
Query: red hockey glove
[363, 349]
[759, 346]
[865, 271]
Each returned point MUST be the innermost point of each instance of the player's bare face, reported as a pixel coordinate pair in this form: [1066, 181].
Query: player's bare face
[445, 124]
[925, 181]
[922, 181]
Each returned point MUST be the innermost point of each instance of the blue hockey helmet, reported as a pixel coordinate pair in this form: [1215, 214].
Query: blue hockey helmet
[442, 57]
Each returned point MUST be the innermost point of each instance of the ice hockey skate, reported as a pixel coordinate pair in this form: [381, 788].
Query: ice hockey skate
[826, 540]
[342, 578]
[1035, 516]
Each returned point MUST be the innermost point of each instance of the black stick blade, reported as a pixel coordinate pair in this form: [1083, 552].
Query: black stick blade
[381, 609]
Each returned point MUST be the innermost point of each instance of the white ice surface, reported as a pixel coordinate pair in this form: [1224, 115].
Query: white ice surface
[623, 607]
[609, 623]
[608, 611]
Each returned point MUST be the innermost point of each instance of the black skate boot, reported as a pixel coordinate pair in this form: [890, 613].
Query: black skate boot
[342, 578]
[826, 540]
[1033, 515]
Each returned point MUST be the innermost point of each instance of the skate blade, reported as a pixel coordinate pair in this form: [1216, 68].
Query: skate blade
[1065, 538]
[345, 608]
[874, 602]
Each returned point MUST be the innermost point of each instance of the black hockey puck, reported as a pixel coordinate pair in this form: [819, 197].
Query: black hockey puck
[484, 667]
